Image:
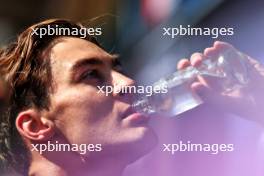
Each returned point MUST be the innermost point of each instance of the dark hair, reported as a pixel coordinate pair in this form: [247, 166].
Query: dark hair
[28, 76]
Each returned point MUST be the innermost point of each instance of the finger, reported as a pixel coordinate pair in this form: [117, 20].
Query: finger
[219, 45]
[206, 81]
[183, 63]
[217, 48]
[199, 88]
[206, 93]
[211, 82]
[196, 59]
[255, 63]
[255, 69]
[209, 52]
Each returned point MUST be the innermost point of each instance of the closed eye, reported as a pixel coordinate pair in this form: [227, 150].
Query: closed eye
[92, 75]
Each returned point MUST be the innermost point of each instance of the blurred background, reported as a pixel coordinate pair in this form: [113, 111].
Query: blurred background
[133, 28]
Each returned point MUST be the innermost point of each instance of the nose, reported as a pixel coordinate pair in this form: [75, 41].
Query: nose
[122, 87]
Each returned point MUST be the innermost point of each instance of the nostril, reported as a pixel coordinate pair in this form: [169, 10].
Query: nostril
[126, 97]
[121, 93]
[124, 87]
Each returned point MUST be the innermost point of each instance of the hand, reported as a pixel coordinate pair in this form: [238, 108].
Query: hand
[246, 102]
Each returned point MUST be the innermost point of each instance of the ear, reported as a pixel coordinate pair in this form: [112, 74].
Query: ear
[33, 126]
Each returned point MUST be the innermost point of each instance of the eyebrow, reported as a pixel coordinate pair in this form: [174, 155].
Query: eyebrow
[86, 62]
[115, 62]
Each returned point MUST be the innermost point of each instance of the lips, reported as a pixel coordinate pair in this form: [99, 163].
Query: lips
[131, 115]
[128, 112]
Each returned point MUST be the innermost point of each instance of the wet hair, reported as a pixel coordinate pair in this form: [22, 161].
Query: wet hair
[27, 74]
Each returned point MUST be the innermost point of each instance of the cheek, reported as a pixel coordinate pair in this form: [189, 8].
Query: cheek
[80, 112]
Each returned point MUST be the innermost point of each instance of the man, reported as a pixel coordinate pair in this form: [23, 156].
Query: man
[54, 99]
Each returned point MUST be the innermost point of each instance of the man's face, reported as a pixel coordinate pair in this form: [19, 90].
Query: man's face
[84, 115]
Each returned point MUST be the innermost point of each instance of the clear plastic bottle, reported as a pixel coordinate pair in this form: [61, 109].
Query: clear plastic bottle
[229, 67]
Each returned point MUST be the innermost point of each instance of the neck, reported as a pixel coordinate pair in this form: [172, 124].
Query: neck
[41, 165]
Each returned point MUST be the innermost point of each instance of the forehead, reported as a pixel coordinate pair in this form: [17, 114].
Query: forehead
[69, 50]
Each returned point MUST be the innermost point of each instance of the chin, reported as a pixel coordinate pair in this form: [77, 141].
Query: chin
[140, 142]
[129, 144]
